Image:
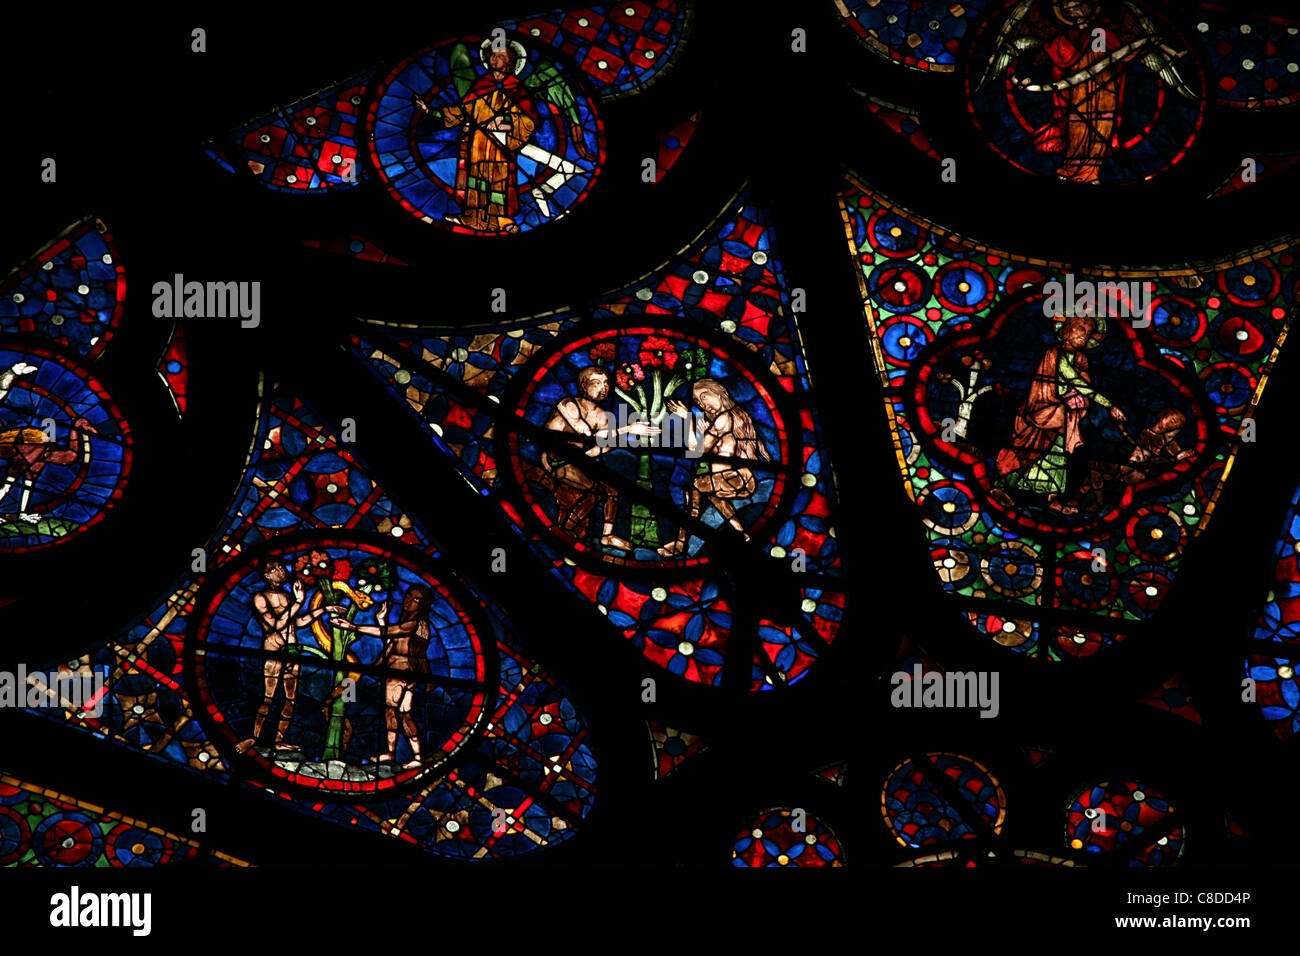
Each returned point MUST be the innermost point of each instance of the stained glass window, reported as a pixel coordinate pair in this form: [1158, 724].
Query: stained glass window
[511, 496]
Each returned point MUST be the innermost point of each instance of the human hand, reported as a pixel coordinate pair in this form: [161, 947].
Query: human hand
[640, 428]
[1116, 414]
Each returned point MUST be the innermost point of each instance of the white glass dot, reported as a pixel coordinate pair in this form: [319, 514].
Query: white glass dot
[934, 24]
[630, 11]
[891, 19]
[56, 320]
[1292, 67]
[435, 428]
[331, 487]
[453, 826]
[700, 277]
[401, 376]
[1245, 28]
[686, 648]
[18, 297]
[582, 21]
[536, 31]
[1151, 590]
[48, 266]
[1008, 626]
[1163, 841]
[659, 594]
[459, 355]
[1139, 796]
[756, 833]
[727, 325]
[759, 257]
[83, 289]
[949, 563]
[311, 121]
[544, 719]
[808, 605]
[1189, 509]
[649, 54]
[1242, 335]
[808, 480]
[602, 64]
[137, 709]
[265, 137]
[356, 100]
[336, 158]
[1203, 27]
[777, 551]
[291, 179]
[644, 294]
[1248, 64]
[900, 286]
[602, 609]
[810, 839]
[204, 756]
[1080, 639]
[107, 258]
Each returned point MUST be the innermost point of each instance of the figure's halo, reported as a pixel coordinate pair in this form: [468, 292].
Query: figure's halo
[521, 55]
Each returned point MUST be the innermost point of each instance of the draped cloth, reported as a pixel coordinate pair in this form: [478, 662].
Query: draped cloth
[485, 177]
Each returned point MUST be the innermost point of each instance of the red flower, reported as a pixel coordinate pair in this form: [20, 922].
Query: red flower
[603, 354]
[318, 564]
[628, 374]
[657, 350]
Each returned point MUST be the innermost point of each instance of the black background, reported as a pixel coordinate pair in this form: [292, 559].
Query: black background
[124, 105]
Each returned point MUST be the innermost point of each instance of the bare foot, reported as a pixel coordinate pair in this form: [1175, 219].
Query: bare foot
[243, 746]
[614, 541]
[672, 548]
[411, 764]
[282, 747]
[384, 758]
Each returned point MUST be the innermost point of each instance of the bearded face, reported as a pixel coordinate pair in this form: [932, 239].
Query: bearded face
[598, 388]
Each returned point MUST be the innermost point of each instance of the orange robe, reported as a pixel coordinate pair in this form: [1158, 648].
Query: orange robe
[1085, 116]
[485, 180]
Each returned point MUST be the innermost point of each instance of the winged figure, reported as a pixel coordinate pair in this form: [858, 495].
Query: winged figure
[1087, 56]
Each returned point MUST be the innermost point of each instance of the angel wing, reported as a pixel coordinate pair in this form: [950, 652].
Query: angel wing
[1009, 47]
[546, 83]
[1159, 58]
[462, 69]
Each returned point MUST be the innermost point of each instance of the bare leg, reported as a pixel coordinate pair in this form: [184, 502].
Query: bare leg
[608, 537]
[286, 713]
[270, 681]
[409, 728]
